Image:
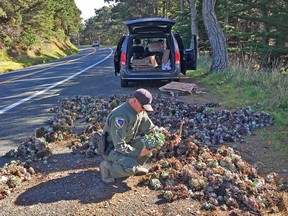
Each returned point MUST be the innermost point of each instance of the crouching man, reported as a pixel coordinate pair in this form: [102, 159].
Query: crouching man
[128, 153]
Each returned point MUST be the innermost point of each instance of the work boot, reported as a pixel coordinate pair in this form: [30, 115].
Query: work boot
[142, 171]
[104, 171]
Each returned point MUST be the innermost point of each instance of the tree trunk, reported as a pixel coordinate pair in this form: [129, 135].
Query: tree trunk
[215, 35]
[194, 25]
[182, 5]
[155, 5]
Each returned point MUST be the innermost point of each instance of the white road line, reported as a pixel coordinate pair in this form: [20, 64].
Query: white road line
[5, 109]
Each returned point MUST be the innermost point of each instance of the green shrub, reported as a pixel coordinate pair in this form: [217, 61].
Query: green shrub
[29, 37]
[6, 40]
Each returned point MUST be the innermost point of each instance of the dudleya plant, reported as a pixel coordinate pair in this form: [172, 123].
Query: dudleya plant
[154, 139]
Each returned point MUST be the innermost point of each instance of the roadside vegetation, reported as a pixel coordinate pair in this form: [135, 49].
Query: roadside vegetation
[262, 90]
[33, 32]
[44, 53]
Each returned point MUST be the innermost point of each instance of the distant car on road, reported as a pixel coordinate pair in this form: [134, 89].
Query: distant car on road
[95, 43]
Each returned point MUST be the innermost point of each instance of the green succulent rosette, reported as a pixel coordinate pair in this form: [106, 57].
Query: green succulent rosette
[154, 139]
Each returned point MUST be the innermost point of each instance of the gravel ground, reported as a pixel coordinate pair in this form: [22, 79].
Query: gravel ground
[70, 185]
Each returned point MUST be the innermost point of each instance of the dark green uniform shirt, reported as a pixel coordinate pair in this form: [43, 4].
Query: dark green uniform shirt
[122, 125]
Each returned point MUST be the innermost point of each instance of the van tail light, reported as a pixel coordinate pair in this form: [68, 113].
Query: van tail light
[123, 59]
[177, 57]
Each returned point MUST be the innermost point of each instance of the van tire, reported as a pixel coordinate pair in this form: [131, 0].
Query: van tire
[124, 83]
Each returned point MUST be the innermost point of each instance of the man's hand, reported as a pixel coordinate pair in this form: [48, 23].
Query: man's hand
[178, 140]
[164, 130]
[161, 129]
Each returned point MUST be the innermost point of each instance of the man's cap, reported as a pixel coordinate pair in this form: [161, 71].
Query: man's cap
[144, 97]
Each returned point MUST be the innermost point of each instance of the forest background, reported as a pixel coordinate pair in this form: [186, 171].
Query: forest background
[255, 31]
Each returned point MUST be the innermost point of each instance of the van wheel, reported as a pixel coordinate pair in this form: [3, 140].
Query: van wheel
[176, 80]
[124, 83]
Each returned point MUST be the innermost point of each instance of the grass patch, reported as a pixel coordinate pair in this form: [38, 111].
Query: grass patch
[41, 53]
[277, 137]
[262, 90]
[7, 66]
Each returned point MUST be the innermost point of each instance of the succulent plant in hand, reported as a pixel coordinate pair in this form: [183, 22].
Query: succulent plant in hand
[154, 139]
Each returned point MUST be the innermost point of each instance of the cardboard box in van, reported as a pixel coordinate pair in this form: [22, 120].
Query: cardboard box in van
[166, 56]
[147, 61]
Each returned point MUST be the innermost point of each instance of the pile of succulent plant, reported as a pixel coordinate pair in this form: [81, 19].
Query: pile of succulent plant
[56, 128]
[59, 126]
[12, 175]
[33, 149]
[154, 139]
[219, 179]
[208, 126]
[196, 167]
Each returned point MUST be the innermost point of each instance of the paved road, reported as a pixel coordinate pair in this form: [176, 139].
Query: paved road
[26, 96]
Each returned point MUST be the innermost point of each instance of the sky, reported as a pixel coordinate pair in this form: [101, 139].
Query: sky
[87, 7]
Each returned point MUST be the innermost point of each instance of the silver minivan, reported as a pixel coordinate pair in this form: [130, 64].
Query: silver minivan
[152, 51]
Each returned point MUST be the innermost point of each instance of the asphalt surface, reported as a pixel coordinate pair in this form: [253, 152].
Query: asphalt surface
[26, 96]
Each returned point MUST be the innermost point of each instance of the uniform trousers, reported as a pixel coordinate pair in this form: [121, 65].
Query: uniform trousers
[121, 165]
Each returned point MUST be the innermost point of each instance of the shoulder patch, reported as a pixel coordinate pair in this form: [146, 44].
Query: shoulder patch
[119, 122]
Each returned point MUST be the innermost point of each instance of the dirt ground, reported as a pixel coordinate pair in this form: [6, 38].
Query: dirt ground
[69, 184]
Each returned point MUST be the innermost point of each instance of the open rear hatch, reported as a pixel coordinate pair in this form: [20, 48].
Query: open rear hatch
[150, 25]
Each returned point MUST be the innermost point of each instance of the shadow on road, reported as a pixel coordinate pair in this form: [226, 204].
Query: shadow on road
[84, 186]
[69, 176]
[4, 160]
